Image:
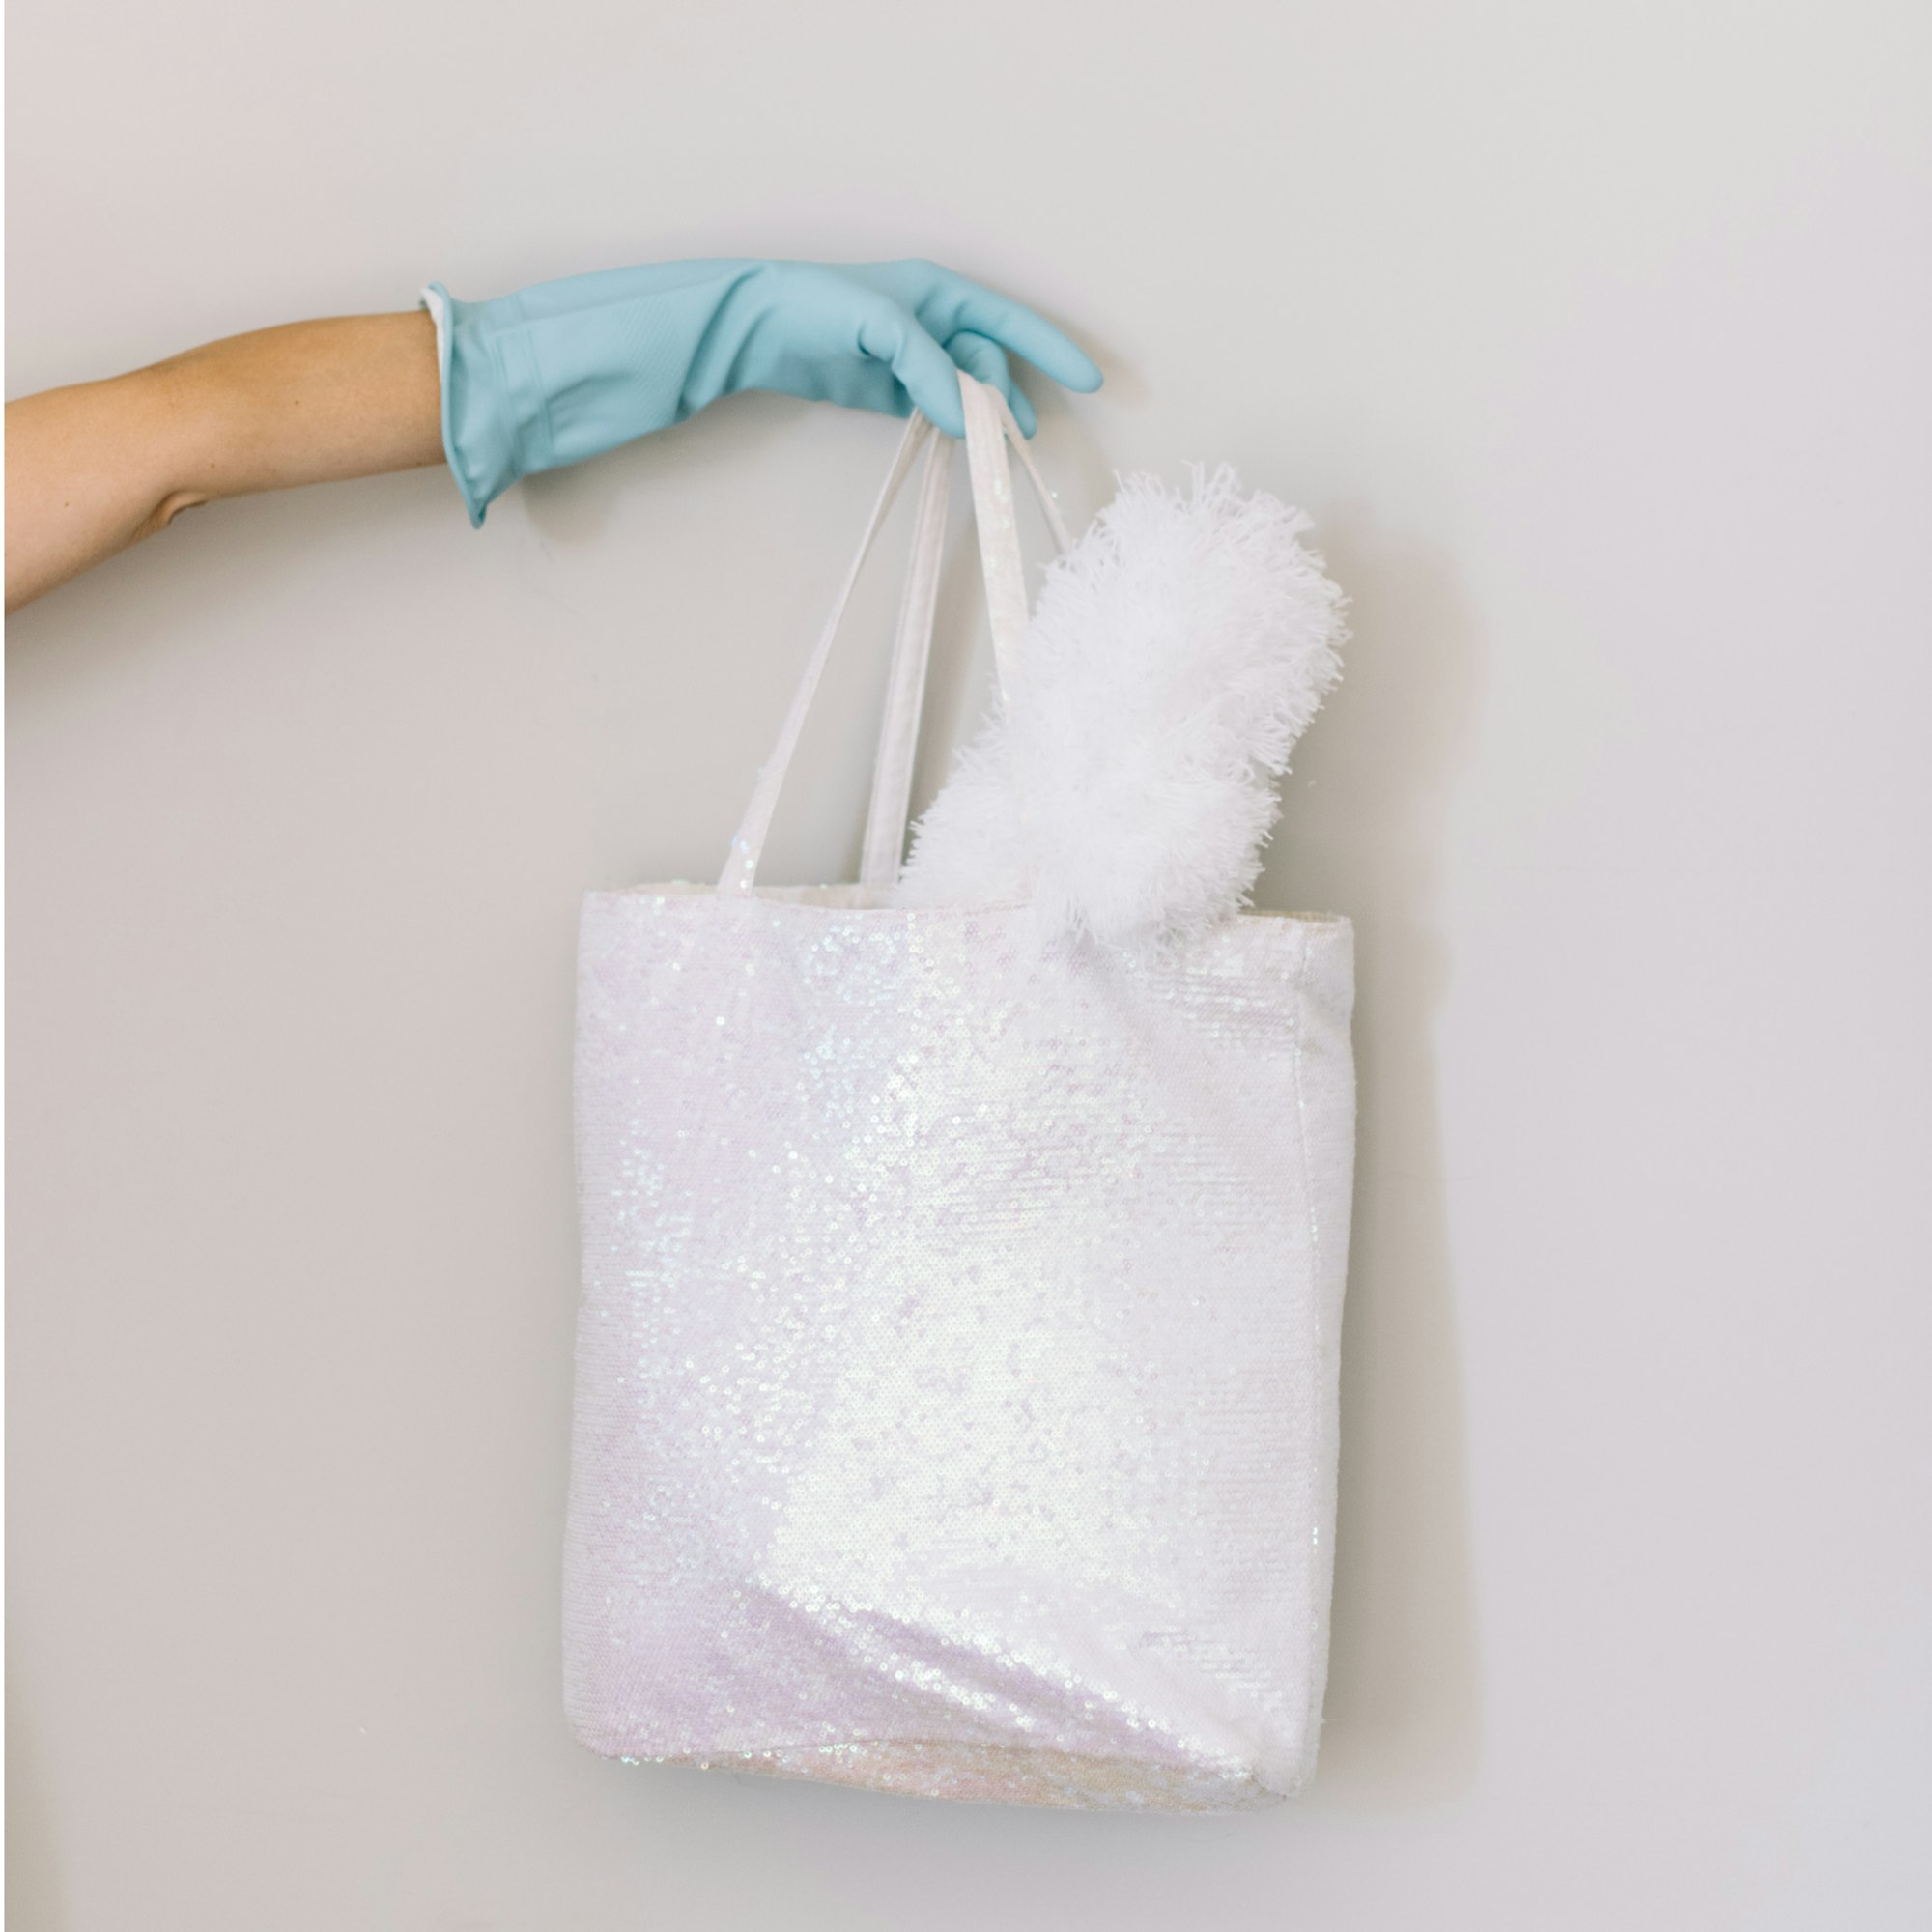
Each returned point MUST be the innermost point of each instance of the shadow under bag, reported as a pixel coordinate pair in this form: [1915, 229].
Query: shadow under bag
[956, 1365]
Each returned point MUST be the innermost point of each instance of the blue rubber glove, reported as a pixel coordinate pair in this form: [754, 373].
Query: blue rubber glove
[565, 370]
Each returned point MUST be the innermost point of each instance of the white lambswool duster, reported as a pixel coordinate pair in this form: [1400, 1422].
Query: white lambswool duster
[1128, 783]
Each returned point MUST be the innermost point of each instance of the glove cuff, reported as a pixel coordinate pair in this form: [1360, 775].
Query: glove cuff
[566, 370]
[494, 426]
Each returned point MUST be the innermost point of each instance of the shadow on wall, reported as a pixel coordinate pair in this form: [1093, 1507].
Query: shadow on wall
[33, 1875]
[1361, 834]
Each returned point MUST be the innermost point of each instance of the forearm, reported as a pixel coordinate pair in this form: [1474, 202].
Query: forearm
[97, 466]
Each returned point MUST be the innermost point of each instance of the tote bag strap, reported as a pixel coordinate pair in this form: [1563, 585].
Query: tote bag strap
[888, 820]
[990, 428]
[990, 431]
[741, 867]
[905, 681]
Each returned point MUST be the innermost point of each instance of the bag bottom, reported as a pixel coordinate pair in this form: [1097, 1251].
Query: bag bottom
[1000, 1775]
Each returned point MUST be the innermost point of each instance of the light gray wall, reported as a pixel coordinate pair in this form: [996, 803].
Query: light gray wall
[1594, 338]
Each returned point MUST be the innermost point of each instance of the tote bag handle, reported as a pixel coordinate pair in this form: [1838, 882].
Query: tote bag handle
[905, 680]
[990, 431]
[887, 821]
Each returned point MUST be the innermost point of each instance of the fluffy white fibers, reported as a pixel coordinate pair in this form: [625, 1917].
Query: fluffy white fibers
[1128, 783]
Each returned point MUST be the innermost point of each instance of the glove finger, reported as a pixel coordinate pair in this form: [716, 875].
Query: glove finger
[893, 335]
[1021, 330]
[982, 357]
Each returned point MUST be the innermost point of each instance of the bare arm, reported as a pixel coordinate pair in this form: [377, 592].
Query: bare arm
[98, 466]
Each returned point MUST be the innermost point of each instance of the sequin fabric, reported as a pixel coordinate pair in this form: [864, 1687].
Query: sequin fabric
[956, 1370]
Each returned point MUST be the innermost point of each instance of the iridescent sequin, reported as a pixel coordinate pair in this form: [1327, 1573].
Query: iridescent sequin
[957, 1359]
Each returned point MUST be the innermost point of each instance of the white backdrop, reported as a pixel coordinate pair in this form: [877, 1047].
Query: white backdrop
[1595, 341]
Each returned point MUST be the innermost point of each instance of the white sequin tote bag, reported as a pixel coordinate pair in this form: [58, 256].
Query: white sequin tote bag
[956, 1369]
